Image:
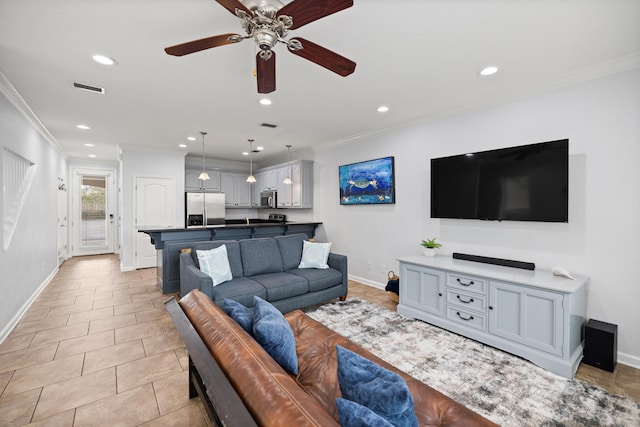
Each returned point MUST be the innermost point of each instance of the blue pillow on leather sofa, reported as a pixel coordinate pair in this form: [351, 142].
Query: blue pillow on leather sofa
[384, 392]
[240, 313]
[274, 334]
[353, 414]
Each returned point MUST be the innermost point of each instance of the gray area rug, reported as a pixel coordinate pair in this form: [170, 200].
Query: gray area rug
[504, 388]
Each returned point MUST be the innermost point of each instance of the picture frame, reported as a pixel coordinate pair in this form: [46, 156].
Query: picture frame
[371, 182]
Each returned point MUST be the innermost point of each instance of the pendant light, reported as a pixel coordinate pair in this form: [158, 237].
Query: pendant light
[204, 175]
[287, 180]
[251, 179]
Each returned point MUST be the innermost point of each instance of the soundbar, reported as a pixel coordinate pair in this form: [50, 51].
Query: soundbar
[496, 261]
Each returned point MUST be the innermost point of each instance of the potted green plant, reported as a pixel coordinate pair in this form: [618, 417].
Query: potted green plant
[430, 247]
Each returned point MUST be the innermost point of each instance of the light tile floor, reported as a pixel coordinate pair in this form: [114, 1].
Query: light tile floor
[97, 347]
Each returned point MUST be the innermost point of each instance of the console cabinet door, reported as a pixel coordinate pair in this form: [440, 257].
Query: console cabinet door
[532, 317]
[422, 288]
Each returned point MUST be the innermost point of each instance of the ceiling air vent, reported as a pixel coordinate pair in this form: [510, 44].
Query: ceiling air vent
[88, 88]
[269, 125]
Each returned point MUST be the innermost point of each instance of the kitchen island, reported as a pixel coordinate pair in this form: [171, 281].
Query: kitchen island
[169, 241]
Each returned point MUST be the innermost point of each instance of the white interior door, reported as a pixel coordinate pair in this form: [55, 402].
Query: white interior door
[93, 200]
[155, 207]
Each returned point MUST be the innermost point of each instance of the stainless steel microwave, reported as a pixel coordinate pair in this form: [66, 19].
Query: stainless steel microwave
[269, 199]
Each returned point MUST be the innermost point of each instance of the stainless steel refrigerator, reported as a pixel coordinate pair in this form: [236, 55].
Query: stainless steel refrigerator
[204, 209]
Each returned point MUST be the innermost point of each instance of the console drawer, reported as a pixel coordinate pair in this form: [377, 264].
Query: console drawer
[468, 283]
[467, 318]
[467, 301]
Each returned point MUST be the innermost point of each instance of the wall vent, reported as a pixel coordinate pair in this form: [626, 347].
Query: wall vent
[88, 88]
[269, 125]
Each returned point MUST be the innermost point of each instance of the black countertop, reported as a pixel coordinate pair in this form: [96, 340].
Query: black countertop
[243, 224]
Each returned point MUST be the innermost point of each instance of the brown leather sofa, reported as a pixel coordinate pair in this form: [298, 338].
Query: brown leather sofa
[247, 387]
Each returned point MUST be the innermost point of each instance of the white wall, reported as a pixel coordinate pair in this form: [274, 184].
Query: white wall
[30, 260]
[601, 120]
[134, 164]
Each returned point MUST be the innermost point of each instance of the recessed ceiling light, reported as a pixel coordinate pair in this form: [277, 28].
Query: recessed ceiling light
[265, 101]
[83, 127]
[182, 145]
[88, 144]
[259, 148]
[191, 138]
[487, 71]
[383, 109]
[92, 155]
[245, 153]
[104, 60]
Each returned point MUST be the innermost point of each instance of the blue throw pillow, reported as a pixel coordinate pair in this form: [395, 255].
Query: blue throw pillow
[274, 334]
[370, 385]
[353, 414]
[241, 314]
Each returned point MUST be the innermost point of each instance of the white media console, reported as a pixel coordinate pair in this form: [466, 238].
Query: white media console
[530, 313]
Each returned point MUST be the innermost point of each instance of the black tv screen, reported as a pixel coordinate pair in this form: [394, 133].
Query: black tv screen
[524, 183]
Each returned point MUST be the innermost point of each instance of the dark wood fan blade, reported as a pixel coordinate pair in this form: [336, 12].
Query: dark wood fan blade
[202, 44]
[266, 73]
[304, 11]
[324, 57]
[232, 5]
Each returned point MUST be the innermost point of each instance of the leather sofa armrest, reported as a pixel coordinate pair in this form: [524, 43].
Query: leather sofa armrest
[192, 278]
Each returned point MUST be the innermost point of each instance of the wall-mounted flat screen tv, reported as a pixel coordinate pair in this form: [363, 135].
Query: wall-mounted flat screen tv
[524, 183]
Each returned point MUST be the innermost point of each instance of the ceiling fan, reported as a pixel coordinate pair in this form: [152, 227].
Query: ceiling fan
[268, 22]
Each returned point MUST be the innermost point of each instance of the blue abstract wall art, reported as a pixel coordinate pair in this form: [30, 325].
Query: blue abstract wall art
[367, 183]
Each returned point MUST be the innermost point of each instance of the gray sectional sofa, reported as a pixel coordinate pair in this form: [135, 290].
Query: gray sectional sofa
[268, 268]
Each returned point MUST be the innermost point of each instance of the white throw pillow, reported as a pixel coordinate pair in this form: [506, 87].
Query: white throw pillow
[215, 264]
[314, 255]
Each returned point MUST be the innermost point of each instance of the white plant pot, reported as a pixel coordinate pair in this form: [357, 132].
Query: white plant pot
[430, 251]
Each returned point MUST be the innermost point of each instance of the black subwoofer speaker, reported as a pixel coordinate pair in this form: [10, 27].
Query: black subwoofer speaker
[600, 344]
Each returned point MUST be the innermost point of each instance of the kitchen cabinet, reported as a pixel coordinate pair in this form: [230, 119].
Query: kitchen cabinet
[284, 190]
[269, 180]
[298, 194]
[256, 188]
[532, 314]
[192, 183]
[236, 189]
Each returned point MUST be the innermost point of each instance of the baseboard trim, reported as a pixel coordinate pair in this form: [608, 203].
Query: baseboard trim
[629, 360]
[367, 282]
[4, 333]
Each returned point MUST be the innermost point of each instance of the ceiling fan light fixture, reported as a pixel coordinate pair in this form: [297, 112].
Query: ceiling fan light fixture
[266, 39]
[268, 23]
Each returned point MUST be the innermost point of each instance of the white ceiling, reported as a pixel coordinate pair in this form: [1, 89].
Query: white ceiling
[419, 57]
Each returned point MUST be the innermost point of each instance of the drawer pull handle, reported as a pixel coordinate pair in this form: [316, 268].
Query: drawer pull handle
[464, 318]
[466, 302]
[464, 284]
